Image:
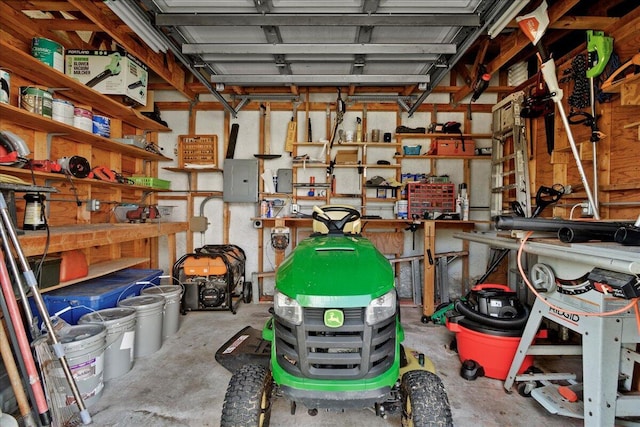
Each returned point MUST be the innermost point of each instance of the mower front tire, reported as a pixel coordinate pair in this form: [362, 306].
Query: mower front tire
[424, 400]
[247, 402]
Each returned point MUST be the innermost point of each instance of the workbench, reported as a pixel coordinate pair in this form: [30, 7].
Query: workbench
[609, 343]
[429, 227]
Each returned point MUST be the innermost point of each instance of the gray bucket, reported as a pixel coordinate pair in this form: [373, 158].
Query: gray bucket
[172, 295]
[149, 310]
[121, 330]
[84, 349]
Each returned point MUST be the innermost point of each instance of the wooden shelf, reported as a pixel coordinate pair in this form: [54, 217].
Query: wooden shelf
[50, 176]
[44, 124]
[620, 187]
[32, 69]
[425, 156]
[192, 170]
[443, 135]
[349, 166]
[88, 235]
[100, 269]
[348, 144]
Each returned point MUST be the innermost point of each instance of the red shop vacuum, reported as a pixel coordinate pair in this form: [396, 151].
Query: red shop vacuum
[488, 326]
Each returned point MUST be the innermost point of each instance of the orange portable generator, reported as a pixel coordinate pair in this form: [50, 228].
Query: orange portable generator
[213, 278]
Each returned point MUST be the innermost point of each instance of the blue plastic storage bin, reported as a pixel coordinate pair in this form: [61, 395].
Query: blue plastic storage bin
[96, 294]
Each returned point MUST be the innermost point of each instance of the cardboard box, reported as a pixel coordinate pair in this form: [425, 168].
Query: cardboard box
[347, 157]
[453, 147]
[109, 72]
[150, 107]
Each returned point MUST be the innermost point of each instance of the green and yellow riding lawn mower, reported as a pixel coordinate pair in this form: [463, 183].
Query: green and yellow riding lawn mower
[334, 337]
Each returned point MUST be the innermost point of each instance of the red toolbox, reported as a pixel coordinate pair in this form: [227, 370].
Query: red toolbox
[454, 147]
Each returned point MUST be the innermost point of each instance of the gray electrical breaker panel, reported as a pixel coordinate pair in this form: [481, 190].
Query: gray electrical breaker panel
[240, 180]
[285, 181]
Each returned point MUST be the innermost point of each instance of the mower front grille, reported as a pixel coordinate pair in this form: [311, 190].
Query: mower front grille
[353, 351]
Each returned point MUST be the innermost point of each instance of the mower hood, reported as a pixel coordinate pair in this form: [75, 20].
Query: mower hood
[330, 271]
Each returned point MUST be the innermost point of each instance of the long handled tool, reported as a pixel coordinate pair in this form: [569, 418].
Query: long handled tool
[534, 26]
[14, 379]
[599, 50]
[23, 342]
[9, 234]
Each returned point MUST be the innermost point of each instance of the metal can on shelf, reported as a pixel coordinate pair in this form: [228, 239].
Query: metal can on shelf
[48, 52]
[5, 86]
[101, 125]
[83, 118]
[62, 111]
[36, 100]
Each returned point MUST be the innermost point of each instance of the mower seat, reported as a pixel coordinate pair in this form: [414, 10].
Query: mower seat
[353, 227]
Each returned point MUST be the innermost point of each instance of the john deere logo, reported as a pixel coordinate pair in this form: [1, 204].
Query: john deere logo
[333, 318]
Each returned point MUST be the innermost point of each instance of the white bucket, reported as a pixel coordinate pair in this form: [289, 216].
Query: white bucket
[172, 295]
[84, 349]
[121, 330]
[149, 316]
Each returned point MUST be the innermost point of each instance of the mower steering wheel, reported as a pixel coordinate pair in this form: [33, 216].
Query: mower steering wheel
[335, 225]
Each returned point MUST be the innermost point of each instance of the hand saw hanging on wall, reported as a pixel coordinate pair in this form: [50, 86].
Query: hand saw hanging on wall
[292, 129]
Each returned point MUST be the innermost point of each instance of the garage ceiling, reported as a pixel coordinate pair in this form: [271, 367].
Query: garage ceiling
[328, 43]
[396, 48]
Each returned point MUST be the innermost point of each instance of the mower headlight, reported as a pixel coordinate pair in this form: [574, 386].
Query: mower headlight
[287, 308]
[381, 308]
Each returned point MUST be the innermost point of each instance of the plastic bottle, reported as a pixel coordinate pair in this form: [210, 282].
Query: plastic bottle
[264, 208]
[464, 202]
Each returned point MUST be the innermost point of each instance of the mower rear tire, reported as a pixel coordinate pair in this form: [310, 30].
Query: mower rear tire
[247, 402]
[424, 400]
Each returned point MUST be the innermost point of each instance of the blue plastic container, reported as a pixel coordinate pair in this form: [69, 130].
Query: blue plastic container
[97, 294]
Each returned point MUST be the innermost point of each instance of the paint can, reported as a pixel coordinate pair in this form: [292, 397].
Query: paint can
[36, 100]
[83, 118]
[402, 209]
[149, 314]
[120, 323]
[101, 125]
[48, 52]
[62, 111]
[84, 349]
[5, 86]
[172, 295]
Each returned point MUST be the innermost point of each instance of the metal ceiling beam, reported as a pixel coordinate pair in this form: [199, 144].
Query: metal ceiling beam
[272, 35]
[291, 59]
[320, 79]
[315, 20]
[364, 36]
[318, 48]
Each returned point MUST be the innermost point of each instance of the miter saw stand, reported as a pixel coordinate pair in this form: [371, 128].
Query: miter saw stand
[608, 351]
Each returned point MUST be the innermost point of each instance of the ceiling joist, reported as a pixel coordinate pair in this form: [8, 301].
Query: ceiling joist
[319, 79]
[316, 20]
[318, 49]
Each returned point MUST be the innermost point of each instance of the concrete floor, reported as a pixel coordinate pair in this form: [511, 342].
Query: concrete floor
[182, 384]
